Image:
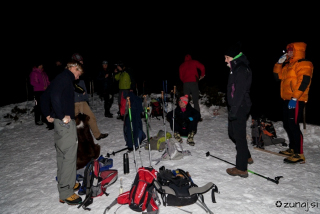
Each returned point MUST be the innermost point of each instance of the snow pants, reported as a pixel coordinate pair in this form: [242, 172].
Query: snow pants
[66, 143]
[291, 119]
[192, 88]
[83, 107]
[237, 133]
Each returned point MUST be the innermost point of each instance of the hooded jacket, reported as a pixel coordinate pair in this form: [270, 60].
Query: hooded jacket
[39, 79]
[239, 83]
[188, 70]
[295, 74]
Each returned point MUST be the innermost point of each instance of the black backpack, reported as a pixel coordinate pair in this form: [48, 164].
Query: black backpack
[178, 189]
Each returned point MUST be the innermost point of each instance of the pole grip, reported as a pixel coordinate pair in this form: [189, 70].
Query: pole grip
[174, 89]
[162, 95]
[128, 99]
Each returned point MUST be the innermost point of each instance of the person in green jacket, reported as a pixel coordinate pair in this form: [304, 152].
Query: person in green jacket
[126, 82]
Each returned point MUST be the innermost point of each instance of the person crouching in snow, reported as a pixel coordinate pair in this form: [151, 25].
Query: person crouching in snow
[239, 104]
[185, 121]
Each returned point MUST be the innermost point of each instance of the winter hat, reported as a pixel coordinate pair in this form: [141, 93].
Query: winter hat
[77, 57]
[104, 62]
[184, 99]
[233, 50]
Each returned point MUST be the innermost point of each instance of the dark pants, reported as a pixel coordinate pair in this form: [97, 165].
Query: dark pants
[184, 128]
[237, 133]
[107, 102]
[37, 109]
[291, 119]
[192, 88]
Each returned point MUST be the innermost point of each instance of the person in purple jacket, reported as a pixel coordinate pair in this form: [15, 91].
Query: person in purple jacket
[40, 81]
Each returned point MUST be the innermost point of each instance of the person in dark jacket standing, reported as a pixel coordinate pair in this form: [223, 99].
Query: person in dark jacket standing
[185, 120]
[239, 104]
[106, 79]
[188, 72]
[60, 96]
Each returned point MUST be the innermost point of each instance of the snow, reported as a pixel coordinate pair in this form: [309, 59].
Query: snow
[28, 167]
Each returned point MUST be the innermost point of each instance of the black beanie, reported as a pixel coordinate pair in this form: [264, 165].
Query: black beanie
[233, 50]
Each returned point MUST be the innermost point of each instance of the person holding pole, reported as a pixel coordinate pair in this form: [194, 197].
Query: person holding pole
[185, 120]
[295, 73]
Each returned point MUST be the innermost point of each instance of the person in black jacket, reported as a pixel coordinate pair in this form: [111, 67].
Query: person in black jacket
[57, 104]
[239, 105]
[185, 121]
[106, 80]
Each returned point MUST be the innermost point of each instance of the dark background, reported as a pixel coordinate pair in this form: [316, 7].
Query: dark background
[152, 39]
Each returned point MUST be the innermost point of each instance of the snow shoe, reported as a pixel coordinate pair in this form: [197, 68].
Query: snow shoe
[296, 158]
[288, 152]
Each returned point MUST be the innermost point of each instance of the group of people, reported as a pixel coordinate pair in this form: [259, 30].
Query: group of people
[65, 96]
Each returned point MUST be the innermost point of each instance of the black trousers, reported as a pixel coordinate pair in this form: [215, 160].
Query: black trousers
[237, 133]
[184, 128]
[37, 109]
[107, 101]
[291, 119]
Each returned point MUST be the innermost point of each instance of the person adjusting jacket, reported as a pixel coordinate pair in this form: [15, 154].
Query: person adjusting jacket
[295, 73]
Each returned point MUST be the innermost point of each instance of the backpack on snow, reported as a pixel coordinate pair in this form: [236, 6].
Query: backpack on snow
[158, 142]
[264, 133]
[97, 177]
[156, 108]
[173, 150]
[178, 189]
[142, 195]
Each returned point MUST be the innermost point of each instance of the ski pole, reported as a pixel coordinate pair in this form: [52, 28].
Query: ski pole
[140, 152]
[275, 180]
[133, 144]
[173, 106]
[146, 114]
[115, 152]
[164, 121]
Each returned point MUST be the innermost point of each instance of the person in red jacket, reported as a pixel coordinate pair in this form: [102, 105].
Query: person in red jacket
[188, 72]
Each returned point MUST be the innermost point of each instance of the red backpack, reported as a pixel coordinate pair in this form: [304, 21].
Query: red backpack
[156, 108]
[97, 178]
[142, 194]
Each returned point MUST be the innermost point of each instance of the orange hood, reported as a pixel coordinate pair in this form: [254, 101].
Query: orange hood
[299, 50]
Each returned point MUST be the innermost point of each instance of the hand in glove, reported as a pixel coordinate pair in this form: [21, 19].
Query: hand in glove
[292, 103]
[190, 118]
[282, 58]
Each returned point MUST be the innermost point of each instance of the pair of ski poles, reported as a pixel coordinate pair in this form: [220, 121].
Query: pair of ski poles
[134, 147]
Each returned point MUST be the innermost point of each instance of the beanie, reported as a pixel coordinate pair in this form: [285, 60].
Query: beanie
[184, 99]
[233, 50]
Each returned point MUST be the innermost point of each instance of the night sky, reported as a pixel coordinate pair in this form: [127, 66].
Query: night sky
[153, 39]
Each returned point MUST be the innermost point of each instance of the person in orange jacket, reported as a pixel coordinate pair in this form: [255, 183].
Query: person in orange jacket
[295, 73]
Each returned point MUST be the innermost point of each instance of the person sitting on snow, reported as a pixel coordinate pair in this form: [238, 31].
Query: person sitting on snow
[185, 120]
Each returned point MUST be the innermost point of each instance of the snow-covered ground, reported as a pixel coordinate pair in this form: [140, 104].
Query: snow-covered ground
[28, 167]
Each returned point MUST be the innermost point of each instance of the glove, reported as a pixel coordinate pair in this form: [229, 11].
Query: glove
[292, 103]
[282, 58]
[190, 118]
